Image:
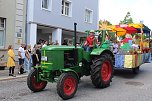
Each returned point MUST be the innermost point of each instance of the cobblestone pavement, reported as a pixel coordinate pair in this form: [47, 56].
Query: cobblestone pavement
[124, 87]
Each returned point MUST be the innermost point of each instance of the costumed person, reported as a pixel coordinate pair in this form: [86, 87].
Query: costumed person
[115, 47]
[135, 47]
[146, 46]
[106, 36]
[100, 38]
[127, 42]
[11, 61]
[127, 38]
[91, 40]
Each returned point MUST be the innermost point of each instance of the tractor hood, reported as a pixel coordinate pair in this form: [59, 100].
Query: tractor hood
[59, 47]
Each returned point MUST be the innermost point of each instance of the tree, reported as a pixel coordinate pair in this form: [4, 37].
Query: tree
[128, 19]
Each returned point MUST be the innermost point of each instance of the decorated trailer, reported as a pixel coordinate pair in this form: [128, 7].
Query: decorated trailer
[131, 46]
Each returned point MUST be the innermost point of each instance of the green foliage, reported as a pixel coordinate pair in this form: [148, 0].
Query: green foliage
[127, 19]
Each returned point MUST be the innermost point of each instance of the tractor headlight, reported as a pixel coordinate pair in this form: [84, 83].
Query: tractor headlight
[80, 64]
[44, 58]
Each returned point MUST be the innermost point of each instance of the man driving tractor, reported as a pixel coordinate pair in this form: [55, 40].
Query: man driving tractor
[90, 41]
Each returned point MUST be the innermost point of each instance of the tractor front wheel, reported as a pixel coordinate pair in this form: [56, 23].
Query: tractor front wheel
[102, 71]
[67, 85]
[34, 83]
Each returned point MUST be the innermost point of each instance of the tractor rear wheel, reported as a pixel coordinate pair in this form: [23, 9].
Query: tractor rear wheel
[102, 71]
[67, 85]
[34, 83]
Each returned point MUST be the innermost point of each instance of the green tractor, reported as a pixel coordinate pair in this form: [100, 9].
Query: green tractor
[67, 64]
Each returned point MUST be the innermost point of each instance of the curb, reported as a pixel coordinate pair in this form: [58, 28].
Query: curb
[11, 78]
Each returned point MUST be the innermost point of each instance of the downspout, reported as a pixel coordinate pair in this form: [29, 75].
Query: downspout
[26, 32]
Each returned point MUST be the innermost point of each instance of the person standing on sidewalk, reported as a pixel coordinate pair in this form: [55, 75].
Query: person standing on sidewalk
[38, 55]
[21, 56]
[30, 54]
[34, 60]
[11, 60]
[45, 44]
[26, 59]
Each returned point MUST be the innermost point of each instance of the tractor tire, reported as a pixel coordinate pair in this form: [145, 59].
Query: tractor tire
[67, 85]
[135, 70]
[102, 71]
[33, 85]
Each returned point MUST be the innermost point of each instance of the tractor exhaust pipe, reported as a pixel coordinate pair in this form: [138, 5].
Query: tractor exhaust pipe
[75, 37]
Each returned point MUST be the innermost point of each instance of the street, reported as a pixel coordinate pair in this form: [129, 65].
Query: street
[124, 87]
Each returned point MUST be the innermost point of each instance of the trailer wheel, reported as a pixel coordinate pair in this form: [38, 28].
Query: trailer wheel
[135, 70]
[102, 71]
[67, 85]
[34, 83]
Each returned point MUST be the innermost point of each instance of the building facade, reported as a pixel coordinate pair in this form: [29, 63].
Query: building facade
[53, 20]
[12, 24]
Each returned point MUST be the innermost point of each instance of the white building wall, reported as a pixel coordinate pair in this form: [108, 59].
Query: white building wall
[54, 18]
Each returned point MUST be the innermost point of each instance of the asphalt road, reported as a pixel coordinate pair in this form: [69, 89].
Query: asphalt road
[124, 87]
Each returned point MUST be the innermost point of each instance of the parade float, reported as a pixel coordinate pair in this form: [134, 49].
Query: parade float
[132, 46]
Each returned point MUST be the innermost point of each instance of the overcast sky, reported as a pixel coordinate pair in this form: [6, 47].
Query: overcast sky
[115, 10]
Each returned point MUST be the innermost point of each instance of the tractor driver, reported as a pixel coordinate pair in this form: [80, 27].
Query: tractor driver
[89, 44]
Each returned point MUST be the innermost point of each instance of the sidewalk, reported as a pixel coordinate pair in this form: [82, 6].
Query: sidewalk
[4, 74]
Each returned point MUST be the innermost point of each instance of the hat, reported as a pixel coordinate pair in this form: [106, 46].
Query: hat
[92, 31]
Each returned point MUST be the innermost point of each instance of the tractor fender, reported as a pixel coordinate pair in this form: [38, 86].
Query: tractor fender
[69, 70]
[99, 51]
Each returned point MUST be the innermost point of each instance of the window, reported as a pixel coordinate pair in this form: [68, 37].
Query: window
[2, 23]
[46, 4]
[66, 8]
[88, 16]
[2, 32]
